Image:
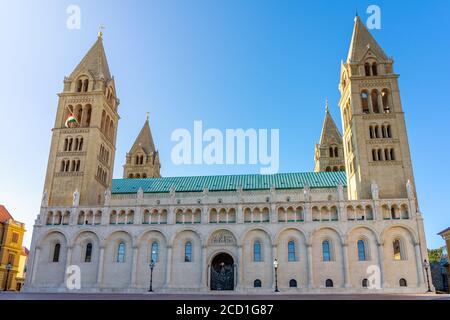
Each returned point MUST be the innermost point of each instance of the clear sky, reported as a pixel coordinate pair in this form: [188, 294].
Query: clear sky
[232, 64]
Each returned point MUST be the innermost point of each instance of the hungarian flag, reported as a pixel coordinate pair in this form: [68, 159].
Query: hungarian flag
[71, 120]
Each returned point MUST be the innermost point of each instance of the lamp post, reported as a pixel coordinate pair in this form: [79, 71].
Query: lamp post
[426, 265]
[275, 266]
[8, 270]
[152, 265]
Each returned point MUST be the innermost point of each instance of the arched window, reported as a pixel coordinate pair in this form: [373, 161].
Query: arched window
[387, 155]
[88, 255]
[79, 85]
[85, 85]
[392, 154]
[291, 251]
[374, 69]
[257, 283]
[374, 97]
[374, 155]
[361, 250]
[385, 100]
[326, 256]
[365, 102]
[329, 283]
[365, 283]
[328, 169]
[380, 156]
[336, 153]
[388, 131]
[121, 252]
[367, 69]
[331, 152]
[257, 251]
[292, 283]
[56, 251]
[155, 248]
[371, 133]
[188, 252]
[402, 282]
[397, 246]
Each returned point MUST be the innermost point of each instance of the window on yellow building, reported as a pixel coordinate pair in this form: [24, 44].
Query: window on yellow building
[15, 237]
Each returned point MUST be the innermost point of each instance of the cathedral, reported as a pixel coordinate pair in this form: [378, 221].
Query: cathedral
[351, 226]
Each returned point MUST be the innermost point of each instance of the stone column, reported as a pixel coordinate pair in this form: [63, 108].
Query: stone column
[345, 265]
[169, 267]
[420, 270]
[100, 266]
[203, 266]
[134, 267]
[308, 214]
[369, 100]
[35, 265]
[273, 213]
[240, 215]
[310, 266]
[240, 272]
[275, 256]
[380, 102]
[171, 215]
[381, 264]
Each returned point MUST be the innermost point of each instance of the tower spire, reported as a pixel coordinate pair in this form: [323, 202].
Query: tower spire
[326, 105]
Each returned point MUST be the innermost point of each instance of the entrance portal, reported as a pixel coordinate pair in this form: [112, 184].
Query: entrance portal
[222, 272]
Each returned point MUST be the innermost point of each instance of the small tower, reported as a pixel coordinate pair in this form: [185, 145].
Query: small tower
[329, 152]
[375, 140]
[82, 149]
[142, 161]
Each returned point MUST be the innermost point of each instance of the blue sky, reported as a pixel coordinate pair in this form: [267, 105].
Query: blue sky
[231, 64]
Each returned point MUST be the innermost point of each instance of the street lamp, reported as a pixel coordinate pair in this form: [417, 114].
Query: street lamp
[426, 265]
[8, 270]
[152, 265]
[275, 265]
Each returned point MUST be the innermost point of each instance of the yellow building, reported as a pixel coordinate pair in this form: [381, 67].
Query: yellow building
[11, 237]
[22, 271]
[445, 234]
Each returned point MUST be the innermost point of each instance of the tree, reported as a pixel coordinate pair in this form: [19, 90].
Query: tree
[435, 255]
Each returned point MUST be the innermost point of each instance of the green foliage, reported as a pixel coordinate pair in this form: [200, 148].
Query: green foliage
[435, 255]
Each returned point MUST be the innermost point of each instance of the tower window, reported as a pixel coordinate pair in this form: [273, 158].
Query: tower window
[367, 69]
[292, 283]
[329, 283]
[365, 101]
[374, 69]
[385, 100]
[392, 154]
[257, 283]
[85, 85]
[374, 98]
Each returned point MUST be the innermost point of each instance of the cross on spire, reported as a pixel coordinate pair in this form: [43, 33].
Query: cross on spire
[100, 30]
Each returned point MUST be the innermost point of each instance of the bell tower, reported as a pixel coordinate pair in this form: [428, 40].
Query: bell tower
[142, 161]
[375, 141]
[84, 135]
[329, 153]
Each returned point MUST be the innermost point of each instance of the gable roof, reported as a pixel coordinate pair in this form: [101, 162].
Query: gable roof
[4, 214]
[231, 182]
[94, 62]
[362, 39]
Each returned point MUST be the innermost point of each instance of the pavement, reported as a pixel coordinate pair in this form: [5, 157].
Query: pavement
[175, 296]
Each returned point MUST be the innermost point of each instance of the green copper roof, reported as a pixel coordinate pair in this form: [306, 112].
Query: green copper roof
[230, 182]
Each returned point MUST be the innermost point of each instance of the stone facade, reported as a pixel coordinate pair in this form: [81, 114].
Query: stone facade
[330, 236]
